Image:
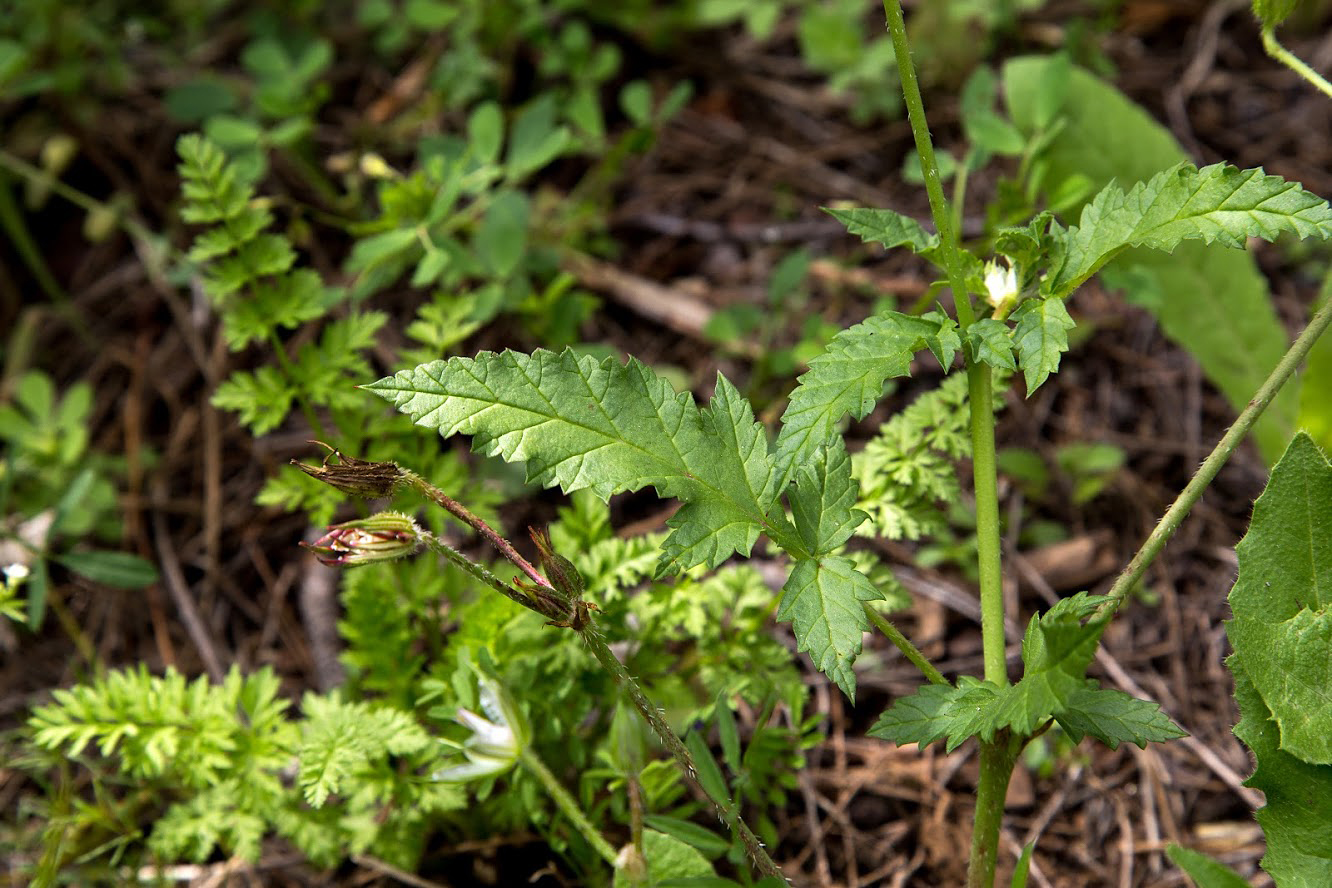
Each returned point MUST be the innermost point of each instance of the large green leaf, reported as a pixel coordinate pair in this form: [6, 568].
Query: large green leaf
[823, 499]
[610, 427]
[1282, 601]
[1213, 302]
[1297, 818]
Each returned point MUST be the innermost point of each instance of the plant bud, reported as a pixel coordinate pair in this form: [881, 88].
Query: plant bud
[559, 570]
[355, 477]
[382, 537]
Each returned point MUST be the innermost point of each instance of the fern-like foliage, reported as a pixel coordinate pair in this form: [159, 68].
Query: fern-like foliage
[250, 275]
[908, 468]
[609, 427]
[345, 740]
[1215, 204]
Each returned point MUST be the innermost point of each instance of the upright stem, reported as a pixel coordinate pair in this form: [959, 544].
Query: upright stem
[996, 767]
[980, 386]
[996, 758]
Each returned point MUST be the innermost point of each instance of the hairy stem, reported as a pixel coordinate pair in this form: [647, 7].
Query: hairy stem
[1293, 62]
[985, 476]
[567, 804]
[996, 767]
[903, 644]
[929, 166]
[725, 809]
[1211, 466]
[463, 514]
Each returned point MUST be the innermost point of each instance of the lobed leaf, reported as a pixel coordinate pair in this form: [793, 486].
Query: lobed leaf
[992, 343]
[936, 712]
[1040, 337]
[823, 497]
[849, 376]
[609, 428]
[889, 228]
[1215, 204]
[822, 600]
[1114, 717]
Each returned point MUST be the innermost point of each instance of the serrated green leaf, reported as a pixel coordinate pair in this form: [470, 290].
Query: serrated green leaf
[1040, 337]
[1203, 870]
[1298, 795]
[1282, 630]
[1056, 650]
[1219, 307]
[1215, 204]
[936, 712]
[283, 303]
[1114, 717]
[821, 600]
[888, 228]
[823, 499]
[610, 428]
[849, 376]
[991, 343]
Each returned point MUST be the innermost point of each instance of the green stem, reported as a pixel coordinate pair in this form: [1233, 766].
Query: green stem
[996, 761]
[1211, 466]
[567, 805]
[985, 477]
[1292, 61]
[929, 166]
[996, 767]
[545, 605]
[903, 644]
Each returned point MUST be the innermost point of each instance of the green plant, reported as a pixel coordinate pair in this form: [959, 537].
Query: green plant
[55, 494]
[596, 428]
[609, 427]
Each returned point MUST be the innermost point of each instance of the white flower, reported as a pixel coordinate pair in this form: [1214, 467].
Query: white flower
[495, 742]
[16, 573]
[1001, 284]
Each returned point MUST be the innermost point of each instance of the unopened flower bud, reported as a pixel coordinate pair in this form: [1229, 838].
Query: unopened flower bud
[355, 477]
[381, 537]
[559, 570]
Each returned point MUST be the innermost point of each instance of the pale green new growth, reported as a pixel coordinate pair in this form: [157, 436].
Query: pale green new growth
[822, 600]
[609, 428]
[1215, 204]
[849, 376]
[344, 741]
